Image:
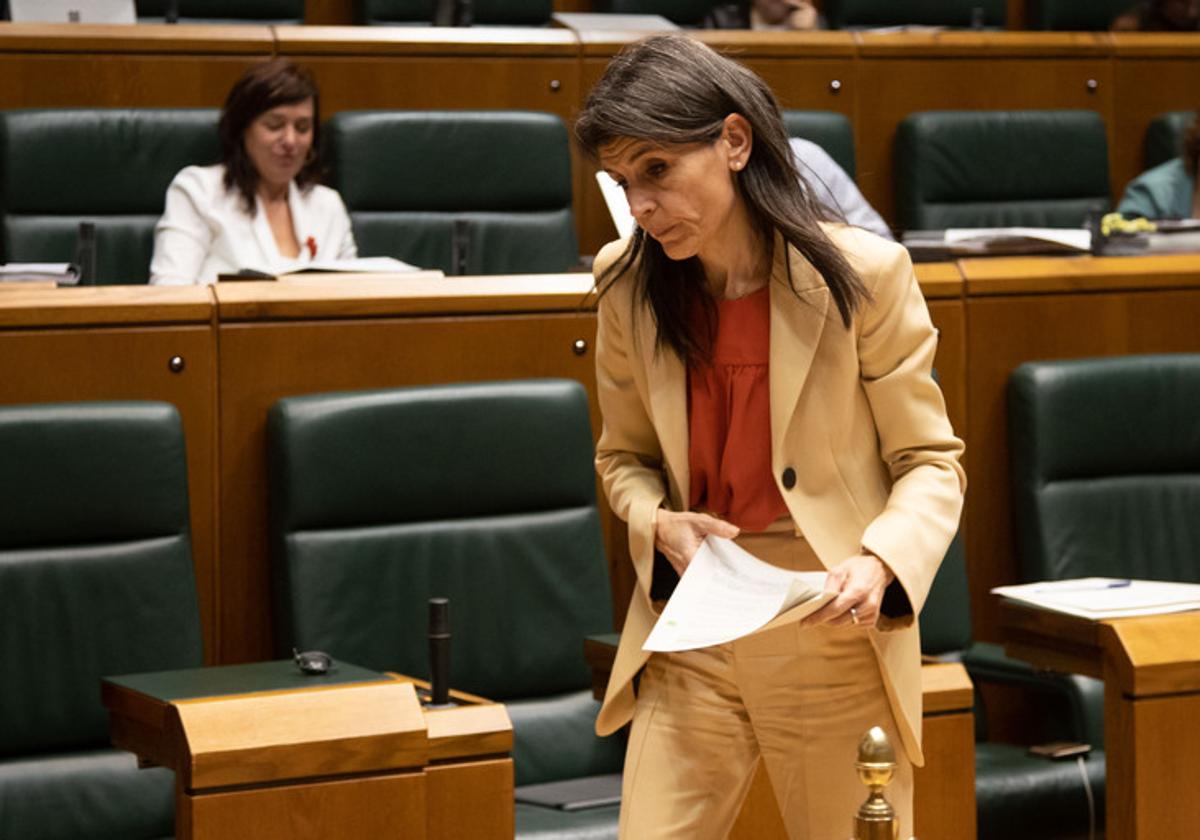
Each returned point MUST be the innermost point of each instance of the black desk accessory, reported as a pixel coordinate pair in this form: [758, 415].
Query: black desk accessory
[439, 654]
[312, 662]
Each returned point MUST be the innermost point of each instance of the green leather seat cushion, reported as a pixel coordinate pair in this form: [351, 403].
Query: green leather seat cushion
[88, 795]
[276, 11]
[1164, 136]
[497, 243]
[1000, 168]
[1053, 802]
[1106, 466]
[860, 13]
[683, 12]
[537, 823]
[553, 739]
[513, 582]
[1076, 16]
[828, 129]
[95, 563]
[509, 12]
[108, 166]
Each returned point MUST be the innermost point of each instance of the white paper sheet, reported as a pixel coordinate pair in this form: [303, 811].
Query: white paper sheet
[1079, 239]
[1097, 598]
[727, 593]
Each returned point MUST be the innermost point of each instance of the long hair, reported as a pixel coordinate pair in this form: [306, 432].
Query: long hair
[261, 88]
[672, 90]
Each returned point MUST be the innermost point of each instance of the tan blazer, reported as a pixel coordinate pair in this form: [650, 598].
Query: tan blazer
[855, 414]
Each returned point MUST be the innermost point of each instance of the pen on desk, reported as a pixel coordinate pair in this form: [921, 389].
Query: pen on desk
[1086, 587]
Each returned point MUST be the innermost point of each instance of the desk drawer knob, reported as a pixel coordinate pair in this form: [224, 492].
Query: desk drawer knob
[579, 346]
[555, 85]
[835, 86]
[177, 364]
[1092, 85]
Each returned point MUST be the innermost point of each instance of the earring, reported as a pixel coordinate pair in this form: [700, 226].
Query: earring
[737, 164]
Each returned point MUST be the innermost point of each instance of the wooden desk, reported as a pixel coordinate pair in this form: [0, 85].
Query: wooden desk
[1151, 672]
[944, 789]
[262, 751]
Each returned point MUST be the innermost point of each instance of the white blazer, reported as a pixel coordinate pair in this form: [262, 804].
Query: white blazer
[205, 231]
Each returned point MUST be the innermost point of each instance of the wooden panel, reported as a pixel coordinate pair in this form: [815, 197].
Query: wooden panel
[273, 736]
[261, 363]
[1003, 332]
[1154, 741]
[967, 71]
[1145, 87]
[949, 317]
[384, 806]
[56, 365]
[330, 12]
[1154, 654]
[944, 789]
[196, 39]
[470, 799]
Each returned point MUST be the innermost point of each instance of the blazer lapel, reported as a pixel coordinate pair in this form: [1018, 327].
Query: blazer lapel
[666, 380]
[798, 315]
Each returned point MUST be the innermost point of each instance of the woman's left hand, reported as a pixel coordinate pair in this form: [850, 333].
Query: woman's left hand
[859, 582]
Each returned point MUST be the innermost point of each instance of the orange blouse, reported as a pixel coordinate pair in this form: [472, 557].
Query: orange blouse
[729, 418]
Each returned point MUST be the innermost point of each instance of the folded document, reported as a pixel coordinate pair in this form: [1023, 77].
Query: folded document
[727, 593]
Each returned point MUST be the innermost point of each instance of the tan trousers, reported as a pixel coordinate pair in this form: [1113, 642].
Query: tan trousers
[800, 698]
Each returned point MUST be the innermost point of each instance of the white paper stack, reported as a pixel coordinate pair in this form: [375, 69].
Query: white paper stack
[1099, 597]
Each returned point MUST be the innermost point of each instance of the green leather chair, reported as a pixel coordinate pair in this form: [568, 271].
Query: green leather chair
[409, 177]
[830, 130]
[1076, 15]
[858, 14]
[96, 580]
[1000, 168]
[224, 11]
[1105, 458]
[1017, 794]
[1164, 136]
[483, 493]
[487, 12]
[682, 12]
[110, 166]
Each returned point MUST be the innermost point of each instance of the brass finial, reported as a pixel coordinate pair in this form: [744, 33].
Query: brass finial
[876, 819]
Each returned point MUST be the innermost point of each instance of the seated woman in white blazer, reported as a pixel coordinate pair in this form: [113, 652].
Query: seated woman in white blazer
[261, 208]
[764, 375]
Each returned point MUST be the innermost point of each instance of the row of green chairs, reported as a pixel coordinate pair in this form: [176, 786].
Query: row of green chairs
[380, 500]
[839, 14]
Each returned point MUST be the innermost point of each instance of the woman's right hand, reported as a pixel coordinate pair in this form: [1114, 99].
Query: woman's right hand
[678, 535]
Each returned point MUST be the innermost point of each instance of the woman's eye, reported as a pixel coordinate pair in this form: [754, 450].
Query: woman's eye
[656, 170]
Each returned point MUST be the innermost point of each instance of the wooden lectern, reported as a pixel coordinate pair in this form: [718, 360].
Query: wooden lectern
[264, 751]
[1151, 671]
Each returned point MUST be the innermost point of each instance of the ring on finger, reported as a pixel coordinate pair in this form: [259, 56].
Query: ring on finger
[854, 615]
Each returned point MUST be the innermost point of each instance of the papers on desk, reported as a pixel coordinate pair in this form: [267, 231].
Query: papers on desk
[1096, 598]
[727, 593]
[1005, 241]
[358, 265]
[62, 273]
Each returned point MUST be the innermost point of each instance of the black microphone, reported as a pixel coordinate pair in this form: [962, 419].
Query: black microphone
[439, 652]
[171, 12]
[460, 246]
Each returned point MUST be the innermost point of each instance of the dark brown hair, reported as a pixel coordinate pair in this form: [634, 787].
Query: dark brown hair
[261, 88]
[673, 90]
[1191, 146]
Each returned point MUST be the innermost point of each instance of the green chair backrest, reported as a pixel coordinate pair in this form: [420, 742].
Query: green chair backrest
[1075, 15]
[95, 564]
[842, 14]
[946, 617]
[1000, 168]
[683, 12]
[226, 11]
[1105, 460]
[408, 177]
[1164, 136]
[508, 12]
[830, 130]
[483, 493]
[109, 166]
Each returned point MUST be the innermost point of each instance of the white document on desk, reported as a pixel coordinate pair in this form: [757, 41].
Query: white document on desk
[727, 593]
[1098, 598]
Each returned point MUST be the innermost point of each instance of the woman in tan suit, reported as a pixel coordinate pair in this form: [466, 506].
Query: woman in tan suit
[764, 374]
